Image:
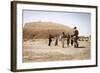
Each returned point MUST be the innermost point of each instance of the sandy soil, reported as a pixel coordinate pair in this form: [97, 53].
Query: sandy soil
[37, 50]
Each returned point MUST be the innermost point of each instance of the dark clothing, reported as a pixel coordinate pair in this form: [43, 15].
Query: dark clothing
[68, 42]
[71, 40]
[68, 39]
[50, 40]
[76, 32]
[75, 38]
[56, 42]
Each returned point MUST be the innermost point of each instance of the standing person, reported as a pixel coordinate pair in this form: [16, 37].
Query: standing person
[50, 39]
[71, 40]
[68, 39]
[56, 40]
[63, 39]
[75, 37]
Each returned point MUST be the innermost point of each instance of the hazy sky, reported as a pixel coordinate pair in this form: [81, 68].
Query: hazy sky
[81, 20]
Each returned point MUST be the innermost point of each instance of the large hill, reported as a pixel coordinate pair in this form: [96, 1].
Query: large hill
[42, 30]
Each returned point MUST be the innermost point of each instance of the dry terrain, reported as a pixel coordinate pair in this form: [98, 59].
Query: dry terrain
[37, 50]
[41, 30]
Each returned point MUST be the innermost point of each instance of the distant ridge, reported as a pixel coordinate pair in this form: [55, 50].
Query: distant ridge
[41, 30]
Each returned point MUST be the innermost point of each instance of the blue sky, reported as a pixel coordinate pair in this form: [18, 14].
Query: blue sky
[81, 20]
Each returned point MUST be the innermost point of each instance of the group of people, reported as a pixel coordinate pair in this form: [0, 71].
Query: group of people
[69, 38]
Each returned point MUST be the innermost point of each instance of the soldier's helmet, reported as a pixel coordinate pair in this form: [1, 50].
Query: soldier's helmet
[75, 27]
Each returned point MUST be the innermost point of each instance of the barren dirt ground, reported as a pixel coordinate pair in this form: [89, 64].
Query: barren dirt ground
[38, 50]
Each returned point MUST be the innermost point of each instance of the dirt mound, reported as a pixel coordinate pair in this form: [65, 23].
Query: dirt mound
[42, 30]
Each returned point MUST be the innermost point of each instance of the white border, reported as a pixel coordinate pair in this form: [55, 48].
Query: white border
[34, 65]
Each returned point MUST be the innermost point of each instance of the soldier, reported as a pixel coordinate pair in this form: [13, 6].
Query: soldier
[75, 37]
[71, 40]
[56, 40]
[68, 39]
[63, 39]
[50, 39]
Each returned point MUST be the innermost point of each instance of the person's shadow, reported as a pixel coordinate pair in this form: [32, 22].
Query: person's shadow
[81, 47]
